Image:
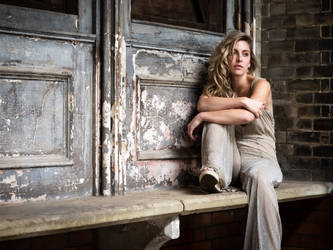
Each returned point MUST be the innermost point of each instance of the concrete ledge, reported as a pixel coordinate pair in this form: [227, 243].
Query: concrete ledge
[196, 202]
[41, 218]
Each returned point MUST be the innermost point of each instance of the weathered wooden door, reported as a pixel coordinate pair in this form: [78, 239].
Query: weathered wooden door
[47, 91]
[162, 52]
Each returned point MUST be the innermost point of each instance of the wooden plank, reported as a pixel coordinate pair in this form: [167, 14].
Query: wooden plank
[37, 20]
[185, 39]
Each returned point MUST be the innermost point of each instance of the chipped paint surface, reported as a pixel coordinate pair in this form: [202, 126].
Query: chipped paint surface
[45, 119]
[163, 116]
[152, 64]
[153, 107]
[183, 109]
[106, 115]
[120, 146]
[28, 117]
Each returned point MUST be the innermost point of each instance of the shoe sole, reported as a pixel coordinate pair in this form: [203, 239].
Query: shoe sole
[209, 181]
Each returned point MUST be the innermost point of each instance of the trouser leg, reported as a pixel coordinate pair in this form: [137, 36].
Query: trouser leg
[219, 152]
[263, 228]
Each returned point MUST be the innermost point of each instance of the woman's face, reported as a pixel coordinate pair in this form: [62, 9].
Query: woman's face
[240, 60]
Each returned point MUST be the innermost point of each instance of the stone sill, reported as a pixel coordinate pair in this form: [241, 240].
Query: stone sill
[50, 217]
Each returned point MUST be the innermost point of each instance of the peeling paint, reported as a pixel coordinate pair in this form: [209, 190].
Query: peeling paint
[182, 109]
[9, 180]
[150, 63]
[166, 131]
[19, 173]
[158, 103]
[152, 116]
[150, 135]
[16, 199]
[161, 113]
[31, 66]
[106, 118]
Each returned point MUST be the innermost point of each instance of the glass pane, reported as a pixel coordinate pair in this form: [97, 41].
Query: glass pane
[68, 7]
[198, 14]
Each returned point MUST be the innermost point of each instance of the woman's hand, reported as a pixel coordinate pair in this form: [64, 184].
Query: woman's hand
[196, 121]
[254, 106]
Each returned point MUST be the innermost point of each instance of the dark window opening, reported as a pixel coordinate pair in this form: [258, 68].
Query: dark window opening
[63, 6]
[199, 14]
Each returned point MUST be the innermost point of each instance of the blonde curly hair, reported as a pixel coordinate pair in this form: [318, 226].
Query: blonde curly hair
[219, 83]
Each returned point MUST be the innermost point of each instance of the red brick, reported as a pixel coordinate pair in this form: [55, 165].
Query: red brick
[325, 243]
[196, 220]
[296, 240]
[305, 228]
[57, 241]
[226, 230]
[80, 238]
[188, 236]
[296, 248]
[228, 243]
[222, 217]
[229, 216]
[22, 244]
[204, 245]
[308, 216]
[85, 248]
[310, 204]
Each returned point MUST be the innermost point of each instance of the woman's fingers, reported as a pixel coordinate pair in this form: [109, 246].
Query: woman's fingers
[190, 131]
[255, 107]
[196, 121]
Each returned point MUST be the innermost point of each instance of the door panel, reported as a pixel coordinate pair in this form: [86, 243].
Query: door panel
[159, 76]
[46, 107]
[163, 111]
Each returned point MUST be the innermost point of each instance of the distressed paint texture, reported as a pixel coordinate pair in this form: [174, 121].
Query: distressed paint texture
[156, 101]
[161, 174]
[164, 114]
[46, 111]
[174, 39]
[31, 111]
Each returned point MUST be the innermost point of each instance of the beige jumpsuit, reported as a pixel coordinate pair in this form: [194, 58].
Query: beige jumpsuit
[258, 170]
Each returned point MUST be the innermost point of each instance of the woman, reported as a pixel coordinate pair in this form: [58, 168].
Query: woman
[246, 151]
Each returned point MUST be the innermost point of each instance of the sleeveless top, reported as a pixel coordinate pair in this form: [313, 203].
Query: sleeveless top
[257, 139]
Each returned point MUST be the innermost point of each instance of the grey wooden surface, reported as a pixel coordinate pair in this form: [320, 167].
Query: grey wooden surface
[46, 104]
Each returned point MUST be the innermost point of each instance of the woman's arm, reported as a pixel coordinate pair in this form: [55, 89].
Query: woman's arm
[261, 94]
[228, 117]
[212, 103]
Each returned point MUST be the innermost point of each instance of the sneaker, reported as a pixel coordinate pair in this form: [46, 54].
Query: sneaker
[209, 181]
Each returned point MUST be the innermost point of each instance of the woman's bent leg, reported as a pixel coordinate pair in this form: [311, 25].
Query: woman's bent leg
[218, 153]
[263, 228]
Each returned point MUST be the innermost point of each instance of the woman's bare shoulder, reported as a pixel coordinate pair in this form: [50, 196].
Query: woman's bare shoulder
[261, 83]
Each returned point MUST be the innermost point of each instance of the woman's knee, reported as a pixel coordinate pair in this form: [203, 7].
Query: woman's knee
[258, 176]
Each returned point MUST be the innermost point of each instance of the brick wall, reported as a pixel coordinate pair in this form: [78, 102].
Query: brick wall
[211, 231]
[297, 58]
[306, 226]
[80, 240]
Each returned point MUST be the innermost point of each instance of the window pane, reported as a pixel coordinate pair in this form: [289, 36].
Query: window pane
[69, 6]
[198, 14]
